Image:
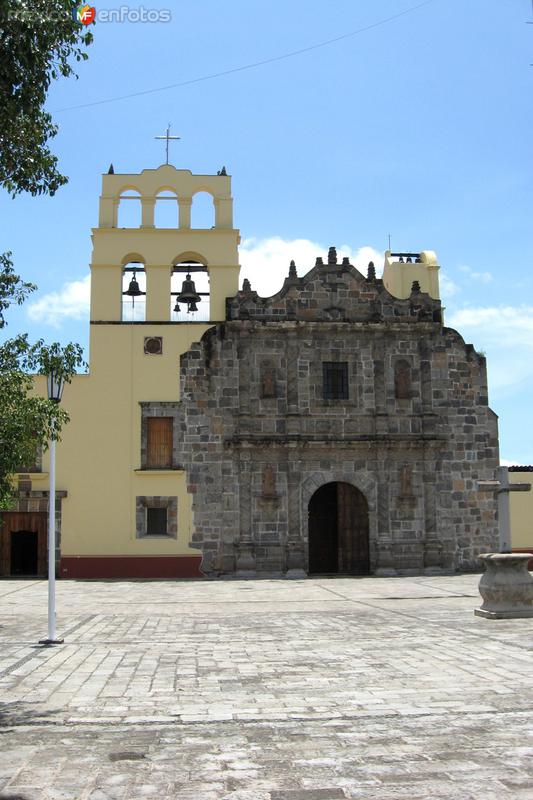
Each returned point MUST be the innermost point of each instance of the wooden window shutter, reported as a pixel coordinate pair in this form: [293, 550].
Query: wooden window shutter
[159, 442]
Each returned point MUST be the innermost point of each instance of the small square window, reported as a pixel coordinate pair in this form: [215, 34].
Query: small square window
[335, 380]
[156, 521]
[156, 516]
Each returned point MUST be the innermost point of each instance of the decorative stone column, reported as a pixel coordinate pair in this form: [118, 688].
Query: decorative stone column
[506, 587]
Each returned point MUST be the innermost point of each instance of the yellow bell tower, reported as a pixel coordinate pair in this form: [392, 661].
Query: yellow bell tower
[159, 250]
[128, 511]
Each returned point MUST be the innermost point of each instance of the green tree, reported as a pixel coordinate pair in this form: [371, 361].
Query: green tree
[27, 422]
[39, 40]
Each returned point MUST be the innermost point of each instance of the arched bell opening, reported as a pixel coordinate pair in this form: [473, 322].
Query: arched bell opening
[338, 531]
[166, 209]
[189, 292]
[133, 292]
[129, 212]
[203, 210]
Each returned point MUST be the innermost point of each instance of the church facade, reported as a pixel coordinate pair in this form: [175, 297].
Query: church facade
[336, 427]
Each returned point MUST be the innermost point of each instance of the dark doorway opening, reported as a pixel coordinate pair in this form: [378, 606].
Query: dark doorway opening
[21, 535]
[338, 531]
[24, 553]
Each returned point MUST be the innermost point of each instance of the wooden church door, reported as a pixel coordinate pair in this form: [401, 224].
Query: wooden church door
[338, 530]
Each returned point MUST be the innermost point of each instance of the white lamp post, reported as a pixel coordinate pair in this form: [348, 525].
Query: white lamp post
[55, 383]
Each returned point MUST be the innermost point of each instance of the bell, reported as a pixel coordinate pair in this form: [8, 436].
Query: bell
[133, 289]
[188, 295]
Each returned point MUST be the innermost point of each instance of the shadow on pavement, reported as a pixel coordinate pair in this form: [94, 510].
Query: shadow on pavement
[16, 714]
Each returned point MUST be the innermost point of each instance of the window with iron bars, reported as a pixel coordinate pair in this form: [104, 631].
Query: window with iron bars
[335, 380]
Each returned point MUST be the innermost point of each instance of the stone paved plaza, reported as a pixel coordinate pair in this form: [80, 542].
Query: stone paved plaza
[264, 690]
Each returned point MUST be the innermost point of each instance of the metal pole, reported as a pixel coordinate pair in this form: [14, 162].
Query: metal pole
[52, 552]
[52, 546]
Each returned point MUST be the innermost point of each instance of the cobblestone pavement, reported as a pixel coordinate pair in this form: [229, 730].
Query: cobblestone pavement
[264, 690]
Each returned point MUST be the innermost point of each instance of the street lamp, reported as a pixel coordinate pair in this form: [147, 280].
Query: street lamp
[55, 383]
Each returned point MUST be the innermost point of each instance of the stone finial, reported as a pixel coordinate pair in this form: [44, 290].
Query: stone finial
[415, 288]
[371, 274]
[332, 255]
[345, 261]
[111, 170]
[246, 285]
[292, 270]
[319, 262]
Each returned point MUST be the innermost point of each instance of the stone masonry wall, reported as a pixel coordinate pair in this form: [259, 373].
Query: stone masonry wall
[415, 434]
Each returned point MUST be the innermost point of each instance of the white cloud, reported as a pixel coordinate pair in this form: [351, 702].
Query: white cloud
[265, 262]
[70, 302]
[505, 333]
[481, 277]
[447, 287]
[501, 324]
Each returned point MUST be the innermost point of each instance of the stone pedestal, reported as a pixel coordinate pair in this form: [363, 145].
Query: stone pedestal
[506, 587]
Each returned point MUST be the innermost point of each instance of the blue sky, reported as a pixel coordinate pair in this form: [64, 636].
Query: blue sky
[419, 127]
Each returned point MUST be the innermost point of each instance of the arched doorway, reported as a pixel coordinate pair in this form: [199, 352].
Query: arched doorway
[338, 530]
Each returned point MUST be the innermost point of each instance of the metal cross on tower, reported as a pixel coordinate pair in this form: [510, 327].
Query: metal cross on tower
[503, 487]
[168, 138]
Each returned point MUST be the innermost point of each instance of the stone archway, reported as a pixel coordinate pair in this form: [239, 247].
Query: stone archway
[338, 530]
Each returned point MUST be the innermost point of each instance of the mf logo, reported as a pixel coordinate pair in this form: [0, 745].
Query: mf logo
[84, 14]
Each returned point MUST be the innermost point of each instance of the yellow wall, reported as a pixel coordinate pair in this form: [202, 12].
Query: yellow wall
[521, 505]
[99, 457]
[398, 277]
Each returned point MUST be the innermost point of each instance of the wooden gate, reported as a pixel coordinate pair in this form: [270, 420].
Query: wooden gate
[338, 530]
[17, 522]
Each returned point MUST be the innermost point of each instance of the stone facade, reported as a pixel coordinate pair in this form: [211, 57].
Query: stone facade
[414, 434]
